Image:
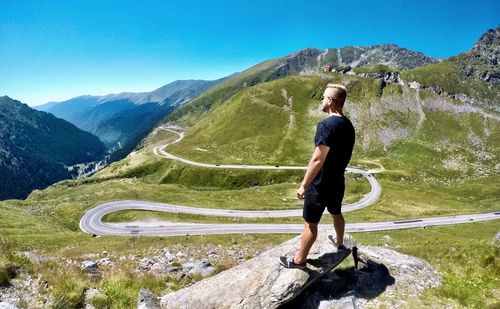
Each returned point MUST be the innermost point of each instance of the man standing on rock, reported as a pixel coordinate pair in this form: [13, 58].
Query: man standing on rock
[323, 185]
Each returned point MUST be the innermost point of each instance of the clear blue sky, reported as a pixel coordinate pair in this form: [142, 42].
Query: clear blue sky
[55, 50]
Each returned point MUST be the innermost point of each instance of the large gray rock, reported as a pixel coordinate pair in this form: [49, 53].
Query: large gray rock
[260, 282]
[410, 271]
[380, 271]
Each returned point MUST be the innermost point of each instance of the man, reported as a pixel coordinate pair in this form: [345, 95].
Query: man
[323, 185]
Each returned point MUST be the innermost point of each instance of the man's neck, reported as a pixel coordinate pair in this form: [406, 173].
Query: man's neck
[336, 112]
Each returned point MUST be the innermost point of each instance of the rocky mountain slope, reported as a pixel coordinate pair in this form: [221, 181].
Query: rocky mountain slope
[303, 62]
[472, 76]
[482, 60]
[37, 149]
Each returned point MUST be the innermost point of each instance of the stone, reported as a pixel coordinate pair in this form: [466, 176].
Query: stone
[6, 305]
[157, 265]
[392, 77]
[89, 266]
[28, 289]
[34, 257]
[169, 257]
[147, 300]
[202, 267]
[92, 268]
[105, 262]
[260, 282]
[212, 254]
[88, 295]
[496, 240]
[180, 255]
[415, 85]
[387, 239]
[380, 271]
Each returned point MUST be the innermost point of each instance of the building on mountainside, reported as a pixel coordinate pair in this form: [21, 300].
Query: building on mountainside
[327, 68]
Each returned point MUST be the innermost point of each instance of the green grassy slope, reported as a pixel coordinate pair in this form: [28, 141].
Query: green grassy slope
[256, 126]
[192, 111]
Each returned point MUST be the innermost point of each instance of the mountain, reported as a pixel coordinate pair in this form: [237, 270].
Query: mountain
[121, 120]
[482, 60]
[304, 62]
[38, 149]
[472, 76]
[312, 60]
[258, 118]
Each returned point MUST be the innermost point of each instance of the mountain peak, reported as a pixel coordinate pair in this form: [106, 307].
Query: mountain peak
[483, 58]
[488, 46]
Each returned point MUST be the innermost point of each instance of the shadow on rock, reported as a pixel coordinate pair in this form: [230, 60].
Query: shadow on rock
[342, 287]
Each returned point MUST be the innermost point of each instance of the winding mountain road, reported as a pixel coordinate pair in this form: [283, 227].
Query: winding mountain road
[92, 223]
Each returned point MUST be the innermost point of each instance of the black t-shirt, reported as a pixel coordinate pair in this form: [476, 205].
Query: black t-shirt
[338, 134]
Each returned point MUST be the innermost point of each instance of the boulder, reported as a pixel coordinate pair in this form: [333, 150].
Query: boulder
[169, 257]
[89, 266]
[147, 300]
[202, 267]
[6, 305]
[380, 271]
[415, 85]
[261, 282]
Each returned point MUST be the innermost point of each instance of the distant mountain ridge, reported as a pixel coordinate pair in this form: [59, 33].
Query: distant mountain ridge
[37, 149]
[311, 60]
[121, 120]
[303, 62]
[452, 76]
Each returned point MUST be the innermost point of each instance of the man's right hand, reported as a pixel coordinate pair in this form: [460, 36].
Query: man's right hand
[300, 192]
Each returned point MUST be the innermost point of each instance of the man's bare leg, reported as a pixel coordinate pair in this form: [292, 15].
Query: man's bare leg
[308, 238]
[339, 225]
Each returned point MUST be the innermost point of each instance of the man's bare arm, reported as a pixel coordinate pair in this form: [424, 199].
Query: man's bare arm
[315, 164]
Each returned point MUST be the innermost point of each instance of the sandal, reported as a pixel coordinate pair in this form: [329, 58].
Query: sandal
[287, 262]
[339, 247]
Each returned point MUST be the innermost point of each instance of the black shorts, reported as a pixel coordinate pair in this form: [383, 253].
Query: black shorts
[315, 202]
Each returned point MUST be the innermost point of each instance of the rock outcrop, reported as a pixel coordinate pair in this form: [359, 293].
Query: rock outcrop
[380, 271]
[260, 282]
[263, 283]
[481, 61]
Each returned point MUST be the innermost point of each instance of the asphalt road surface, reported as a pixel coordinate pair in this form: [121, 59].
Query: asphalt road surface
[92, 223]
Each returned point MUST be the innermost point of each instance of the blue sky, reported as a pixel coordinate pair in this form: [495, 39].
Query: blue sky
[55, 50]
